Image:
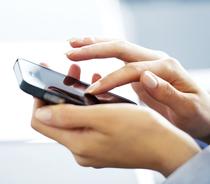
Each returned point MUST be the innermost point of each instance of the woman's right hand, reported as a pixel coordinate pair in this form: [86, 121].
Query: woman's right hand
[160, 81]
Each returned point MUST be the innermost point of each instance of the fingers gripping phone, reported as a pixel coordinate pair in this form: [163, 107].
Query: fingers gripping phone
[56, 88]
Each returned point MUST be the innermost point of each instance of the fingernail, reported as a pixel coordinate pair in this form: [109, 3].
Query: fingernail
[71, 52]
[93, 87]
[71, 40]
[150, 80]
[43, 114]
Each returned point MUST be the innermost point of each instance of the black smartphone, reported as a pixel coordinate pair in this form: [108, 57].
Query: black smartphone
[56, 88]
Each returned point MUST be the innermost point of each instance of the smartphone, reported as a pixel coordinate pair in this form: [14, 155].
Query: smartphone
[56, 88]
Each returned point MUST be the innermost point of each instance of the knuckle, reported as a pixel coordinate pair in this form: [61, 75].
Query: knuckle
[82, 161]
[120, 47]
[118, 43]
[171, 65]
[171, 61]
[134, 68]
[130, 66]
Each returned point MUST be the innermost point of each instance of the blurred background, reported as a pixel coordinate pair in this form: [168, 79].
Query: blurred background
[39, 30]
[179, 27]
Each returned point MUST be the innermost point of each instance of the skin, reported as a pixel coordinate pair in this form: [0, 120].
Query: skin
[117, 135]
[104, 135]
[176, 96]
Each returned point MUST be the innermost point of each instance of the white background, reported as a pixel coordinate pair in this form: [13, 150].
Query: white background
[38, 31]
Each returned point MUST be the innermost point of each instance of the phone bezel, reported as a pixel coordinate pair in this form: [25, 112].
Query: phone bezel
[41, 93]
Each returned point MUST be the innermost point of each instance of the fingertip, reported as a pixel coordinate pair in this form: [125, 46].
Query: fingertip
[75, 66]
[75, 54]
[73, 41]
[95, 77]
[44, 64]
[77, 42]
[74, 71]
[149, 80]
[43, 114]
[93, 89]
[69, 53]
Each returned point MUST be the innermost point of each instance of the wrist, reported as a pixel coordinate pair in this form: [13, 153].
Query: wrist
[179, 151]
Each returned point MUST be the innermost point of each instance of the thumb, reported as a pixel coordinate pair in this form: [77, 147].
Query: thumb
[69, 116]
[64, 116]
[162, 91]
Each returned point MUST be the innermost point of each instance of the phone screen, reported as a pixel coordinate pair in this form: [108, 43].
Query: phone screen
[54, 82]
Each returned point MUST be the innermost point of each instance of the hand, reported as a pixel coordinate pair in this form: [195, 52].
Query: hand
[104, 135]
[117, 135]
[159, 81]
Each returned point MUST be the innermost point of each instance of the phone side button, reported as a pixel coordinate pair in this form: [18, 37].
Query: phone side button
[54, 99]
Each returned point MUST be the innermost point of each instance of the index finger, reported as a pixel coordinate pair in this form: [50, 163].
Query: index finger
[127, 74]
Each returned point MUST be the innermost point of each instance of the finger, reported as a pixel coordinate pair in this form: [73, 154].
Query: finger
[95, 77]
[77, 42]
[127, 74]
[65, 116]
[75, 117]
[119, 49]
[44, 64]
[74, 138]
[167, 68]
[149, 100]
[163, 91]
[74, 71]
[48, 131]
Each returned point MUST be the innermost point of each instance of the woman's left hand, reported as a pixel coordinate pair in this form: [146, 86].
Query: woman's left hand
[115, 135]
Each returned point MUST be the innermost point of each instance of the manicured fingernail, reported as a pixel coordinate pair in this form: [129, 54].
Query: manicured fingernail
[73, 51]
[69, 52]
[43, 114]
[150, 80]
[93, 87]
